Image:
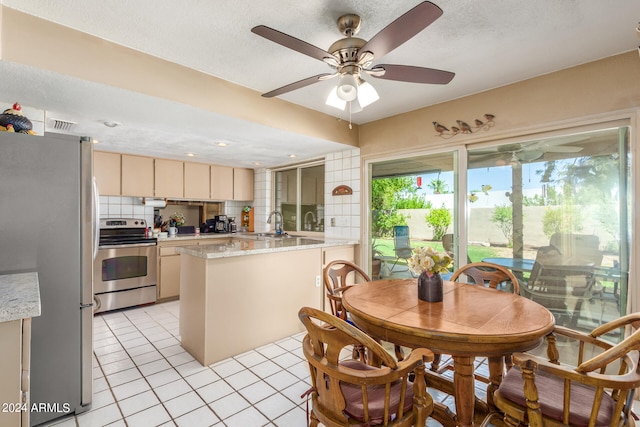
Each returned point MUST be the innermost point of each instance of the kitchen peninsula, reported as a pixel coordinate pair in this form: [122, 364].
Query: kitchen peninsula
[237, 294]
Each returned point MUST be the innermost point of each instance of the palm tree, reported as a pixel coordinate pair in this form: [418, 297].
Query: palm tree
[438, 186]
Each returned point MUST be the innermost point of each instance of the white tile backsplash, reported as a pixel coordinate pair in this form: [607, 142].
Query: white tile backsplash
[127, 207]
[342, 168]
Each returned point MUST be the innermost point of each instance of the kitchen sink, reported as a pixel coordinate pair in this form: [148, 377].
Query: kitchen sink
[274, 235]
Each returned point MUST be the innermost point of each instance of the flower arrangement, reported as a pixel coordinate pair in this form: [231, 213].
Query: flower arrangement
[426, 259]
[176, 220]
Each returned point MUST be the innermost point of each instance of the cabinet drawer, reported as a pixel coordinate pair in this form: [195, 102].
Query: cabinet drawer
[168, 250]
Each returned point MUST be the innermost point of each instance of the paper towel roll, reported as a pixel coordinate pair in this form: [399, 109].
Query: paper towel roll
[156, 203]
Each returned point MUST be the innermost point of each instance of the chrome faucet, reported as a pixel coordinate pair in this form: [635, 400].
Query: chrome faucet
[307, 225]
[278, 225]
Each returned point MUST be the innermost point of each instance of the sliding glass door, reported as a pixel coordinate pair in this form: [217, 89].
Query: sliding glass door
[555, 210]
[416, 195]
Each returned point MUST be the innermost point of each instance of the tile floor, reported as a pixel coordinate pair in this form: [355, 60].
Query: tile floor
[143, 378]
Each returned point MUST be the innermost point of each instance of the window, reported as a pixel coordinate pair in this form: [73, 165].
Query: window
[299, 196]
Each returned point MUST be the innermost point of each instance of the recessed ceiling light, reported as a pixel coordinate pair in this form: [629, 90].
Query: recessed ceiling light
[111, 124]
[95, 141]
[292, 156]
[190, 154]
[222, 144]
[256, 163]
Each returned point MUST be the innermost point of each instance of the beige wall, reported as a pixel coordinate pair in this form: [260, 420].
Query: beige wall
[31, 41]
[542, 103]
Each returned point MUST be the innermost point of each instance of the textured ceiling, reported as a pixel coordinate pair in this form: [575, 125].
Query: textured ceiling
[487, 44]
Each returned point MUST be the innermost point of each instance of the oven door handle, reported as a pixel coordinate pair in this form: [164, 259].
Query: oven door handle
[131, 245]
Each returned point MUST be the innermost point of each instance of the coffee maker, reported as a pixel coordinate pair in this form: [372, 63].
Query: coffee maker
[233, 227]
[217, 224]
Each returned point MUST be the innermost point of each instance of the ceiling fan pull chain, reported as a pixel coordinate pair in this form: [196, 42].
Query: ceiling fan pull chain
[350, 127]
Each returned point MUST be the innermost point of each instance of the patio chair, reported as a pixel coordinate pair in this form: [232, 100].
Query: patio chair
[350, 392]
[584, 381]
[402, 244]
[559, 281]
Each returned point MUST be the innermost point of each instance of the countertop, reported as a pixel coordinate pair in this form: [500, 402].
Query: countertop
[247, 245]
[203, 236]
[19, 296]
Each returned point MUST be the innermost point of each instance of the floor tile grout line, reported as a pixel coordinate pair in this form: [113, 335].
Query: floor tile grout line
[132, 322]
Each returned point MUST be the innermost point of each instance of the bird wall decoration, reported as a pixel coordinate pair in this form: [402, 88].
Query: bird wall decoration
[463, 127]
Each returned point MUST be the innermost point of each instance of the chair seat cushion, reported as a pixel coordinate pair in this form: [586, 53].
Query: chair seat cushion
[353, 396]
[550, 396]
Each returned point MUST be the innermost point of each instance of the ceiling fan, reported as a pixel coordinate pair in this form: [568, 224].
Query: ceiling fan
[524, 153]
[351, 57]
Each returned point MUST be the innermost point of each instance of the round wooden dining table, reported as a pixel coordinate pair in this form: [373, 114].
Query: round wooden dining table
[471, 321]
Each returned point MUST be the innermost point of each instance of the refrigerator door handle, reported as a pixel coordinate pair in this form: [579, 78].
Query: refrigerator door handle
[96, 218]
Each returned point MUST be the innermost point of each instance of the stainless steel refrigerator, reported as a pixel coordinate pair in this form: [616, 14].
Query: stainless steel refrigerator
[48, 211]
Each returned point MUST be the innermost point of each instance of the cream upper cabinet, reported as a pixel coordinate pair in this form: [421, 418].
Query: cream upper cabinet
[242, 184]
[169, 176]
[221, 183]
[196, 181]
[137, 176]
[106, 169]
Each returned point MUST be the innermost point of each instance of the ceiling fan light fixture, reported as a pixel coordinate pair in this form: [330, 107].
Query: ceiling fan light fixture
[334, 101]
[367, 94]
[347, 89]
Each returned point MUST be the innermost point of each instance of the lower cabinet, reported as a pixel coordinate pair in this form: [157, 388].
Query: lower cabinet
[14, 372]
[169, 268]
[169, 279]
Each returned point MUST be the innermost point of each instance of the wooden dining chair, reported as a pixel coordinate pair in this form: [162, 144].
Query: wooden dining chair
[338, 276]
[489, 275]
[351, 392]
[584, 381]
[483, 274]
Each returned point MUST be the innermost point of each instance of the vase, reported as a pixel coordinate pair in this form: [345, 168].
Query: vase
[430, 287]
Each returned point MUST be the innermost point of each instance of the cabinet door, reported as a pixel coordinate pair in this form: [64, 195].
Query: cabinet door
[221, 183]
[106, 169]
[169, 283]
[137, 176]
[196, 181]
[169, 177]
[242, 184]
[10, 370]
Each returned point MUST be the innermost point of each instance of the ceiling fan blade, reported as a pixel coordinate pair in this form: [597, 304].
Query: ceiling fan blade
[297, 85]
[408, 73]
[402, 29]
[562, 149]
[295, 44]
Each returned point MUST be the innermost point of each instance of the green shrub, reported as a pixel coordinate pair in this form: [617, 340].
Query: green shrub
[439, 220]
[503, 216]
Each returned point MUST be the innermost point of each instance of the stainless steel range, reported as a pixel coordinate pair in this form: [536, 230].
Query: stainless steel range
[125, 269]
